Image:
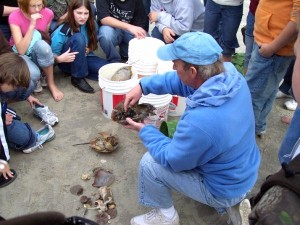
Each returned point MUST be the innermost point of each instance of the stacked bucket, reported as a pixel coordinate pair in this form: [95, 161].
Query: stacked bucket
[142, 55]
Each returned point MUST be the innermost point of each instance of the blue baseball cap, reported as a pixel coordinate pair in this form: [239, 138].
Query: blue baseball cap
[197, 48]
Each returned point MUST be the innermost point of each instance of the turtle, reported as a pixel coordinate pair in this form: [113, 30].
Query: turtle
[137, 112]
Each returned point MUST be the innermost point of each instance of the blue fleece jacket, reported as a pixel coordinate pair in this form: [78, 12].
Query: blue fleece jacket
[215, 136]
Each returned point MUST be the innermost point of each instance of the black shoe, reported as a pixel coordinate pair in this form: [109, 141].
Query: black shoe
[82, 85]
[4, 182]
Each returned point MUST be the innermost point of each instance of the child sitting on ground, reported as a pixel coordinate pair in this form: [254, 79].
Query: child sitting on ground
[20, 136]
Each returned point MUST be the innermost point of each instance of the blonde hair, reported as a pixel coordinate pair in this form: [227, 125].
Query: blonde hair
[24, 5]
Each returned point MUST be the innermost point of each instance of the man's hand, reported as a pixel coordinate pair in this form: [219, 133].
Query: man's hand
[168, 35]
[32, 101]
[132, 97]
[134, 125]
[138, 32]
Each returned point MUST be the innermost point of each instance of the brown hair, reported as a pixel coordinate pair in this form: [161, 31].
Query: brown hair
[24, 5]
[4, 46]
[90, 23]
[17, 76]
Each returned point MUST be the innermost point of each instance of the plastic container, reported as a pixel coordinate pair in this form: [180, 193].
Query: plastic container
[161, 103]
[177, 106]
[113, 92]
[142, 54]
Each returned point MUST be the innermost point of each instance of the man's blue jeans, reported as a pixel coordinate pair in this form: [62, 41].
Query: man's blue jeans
[291, 137]
[109, 38]
[156, 182]
[222, 22]
[263, 78]
[83, 66]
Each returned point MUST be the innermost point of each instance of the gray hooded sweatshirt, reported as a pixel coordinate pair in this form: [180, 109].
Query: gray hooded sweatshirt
[180, 15]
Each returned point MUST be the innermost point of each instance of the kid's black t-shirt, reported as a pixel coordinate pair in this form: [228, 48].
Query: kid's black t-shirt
[129, 11]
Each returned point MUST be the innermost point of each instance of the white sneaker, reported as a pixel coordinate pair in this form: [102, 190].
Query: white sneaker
[291, 105]
[238, 214]
[280, 94]
[45, 134]
[45, 114]
[44, 81]
[38, 87]
[155, 217]
[245, 210]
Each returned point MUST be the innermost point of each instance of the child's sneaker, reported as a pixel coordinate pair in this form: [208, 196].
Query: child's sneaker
[45, 134]
[45, 114]
[291, 104]
[44, 81]
[38, 87]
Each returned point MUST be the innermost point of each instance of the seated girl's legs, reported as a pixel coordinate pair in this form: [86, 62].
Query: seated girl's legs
[42, 56]
[20, 135]
[109, 38]
[94, 64]
[79, 67]
[35, 72]
[231, 19]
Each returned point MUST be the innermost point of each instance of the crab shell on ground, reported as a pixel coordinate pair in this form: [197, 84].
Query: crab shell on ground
[104, 143]
[137, 112]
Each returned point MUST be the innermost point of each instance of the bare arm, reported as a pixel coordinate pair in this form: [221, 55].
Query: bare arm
[8, 10]
[296, 72]
[138, 32]
[22, 43]
[287, 34]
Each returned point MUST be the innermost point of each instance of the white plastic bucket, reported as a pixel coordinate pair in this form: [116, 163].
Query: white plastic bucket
[161, 103]
[177, 106]
[164, 66]
[113, 92]
[142, 54]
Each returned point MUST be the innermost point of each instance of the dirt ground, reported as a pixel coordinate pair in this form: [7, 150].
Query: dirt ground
[46, 176]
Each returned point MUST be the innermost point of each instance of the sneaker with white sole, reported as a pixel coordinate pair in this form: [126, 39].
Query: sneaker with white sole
[155, 217]
[44, 81]
[38, 87]
[238, 214]
[280, 94]
[45, 134]
[291, 104]
[43, 112]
